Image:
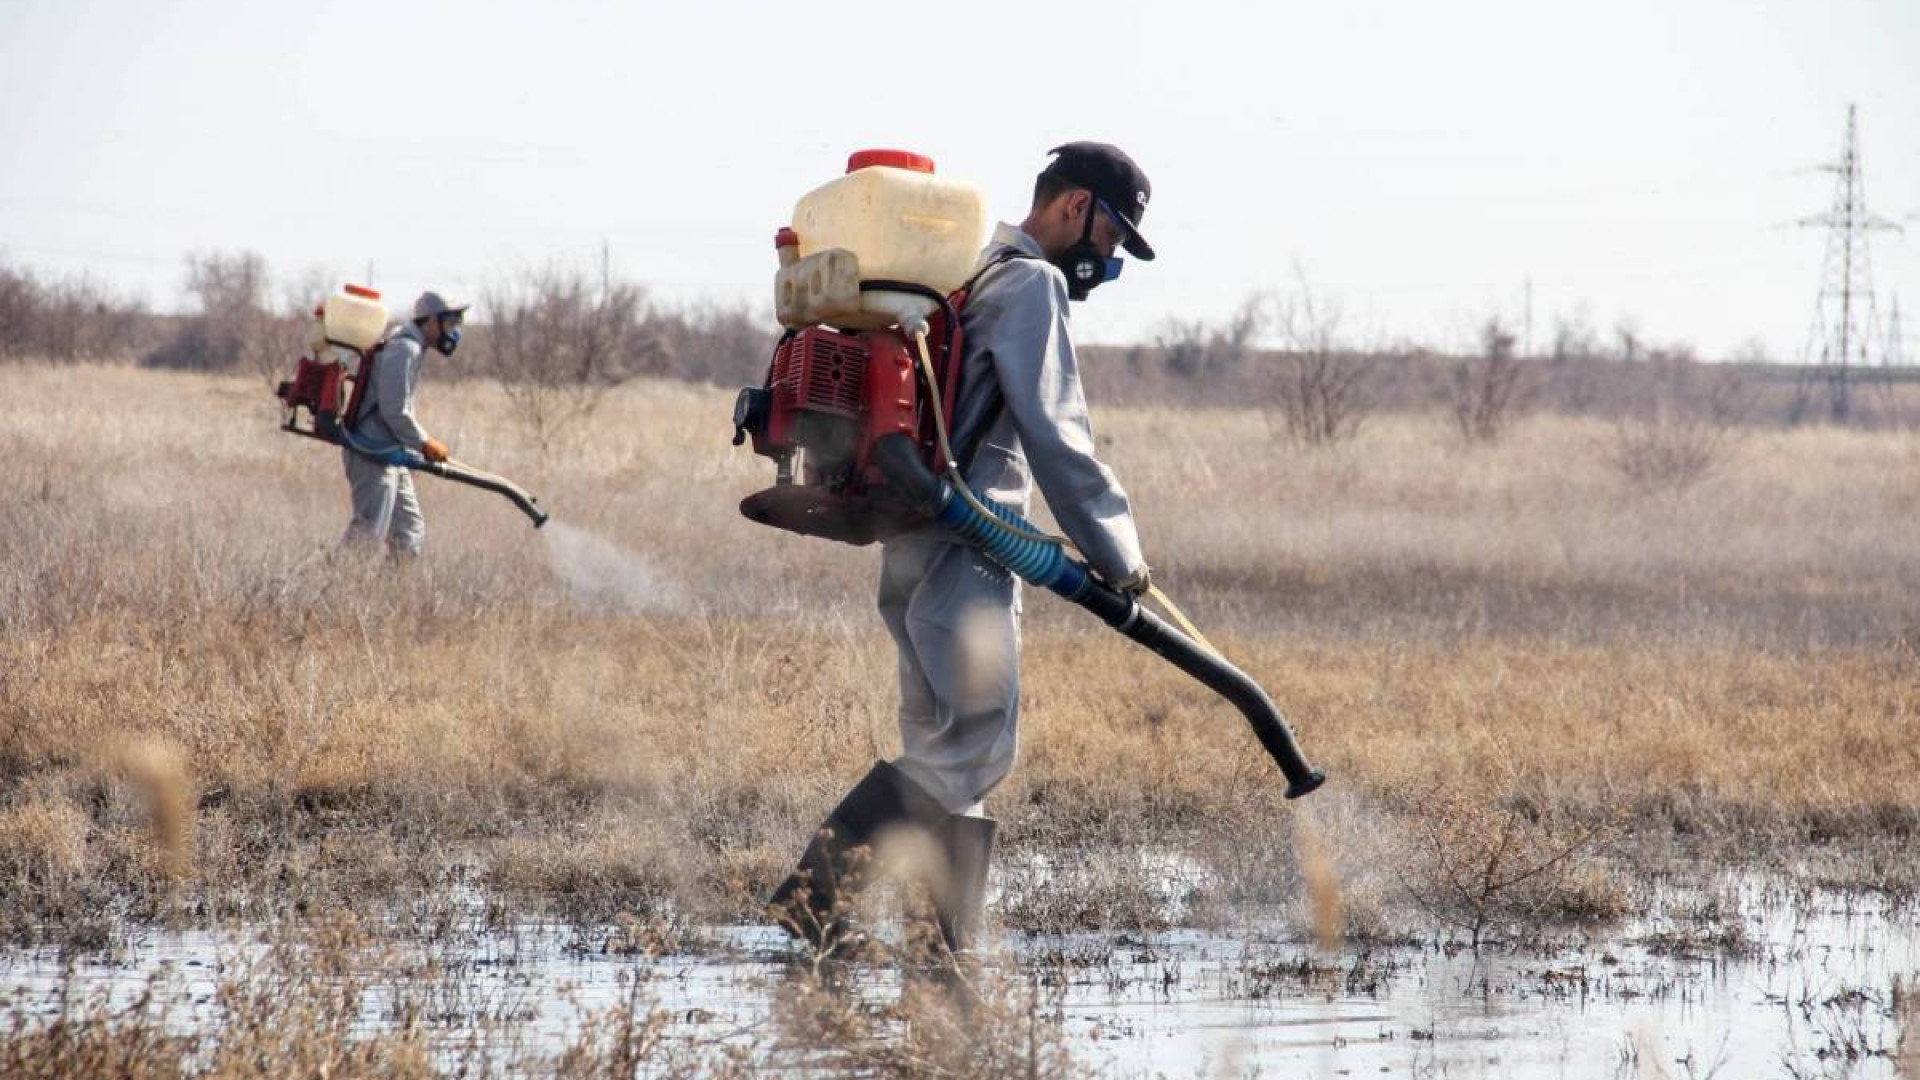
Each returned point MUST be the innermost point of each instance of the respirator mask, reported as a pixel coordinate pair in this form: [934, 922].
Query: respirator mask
[1084, 266]
[449, 339]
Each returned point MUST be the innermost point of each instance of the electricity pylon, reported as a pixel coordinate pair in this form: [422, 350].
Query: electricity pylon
[1896, 348]
[1844, 325]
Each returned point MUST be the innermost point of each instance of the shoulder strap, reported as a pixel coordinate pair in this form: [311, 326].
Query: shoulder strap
[995, 402]
[363, 385]
[1000, 258]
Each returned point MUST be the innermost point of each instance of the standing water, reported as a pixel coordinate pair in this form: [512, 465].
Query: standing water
[1798, 983]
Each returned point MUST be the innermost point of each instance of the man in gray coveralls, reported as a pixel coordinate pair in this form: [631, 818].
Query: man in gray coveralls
[954, 614]
[384, 505]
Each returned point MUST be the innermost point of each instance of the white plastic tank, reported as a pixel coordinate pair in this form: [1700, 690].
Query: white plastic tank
[355, 317]
[901, 221]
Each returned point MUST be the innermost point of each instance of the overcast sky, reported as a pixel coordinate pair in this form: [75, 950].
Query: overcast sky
[1421, 161]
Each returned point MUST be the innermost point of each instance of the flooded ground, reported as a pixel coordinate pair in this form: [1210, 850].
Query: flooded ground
[1747, 978]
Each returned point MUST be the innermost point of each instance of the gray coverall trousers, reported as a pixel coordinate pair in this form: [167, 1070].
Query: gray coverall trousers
[954, 614]
[384, 504]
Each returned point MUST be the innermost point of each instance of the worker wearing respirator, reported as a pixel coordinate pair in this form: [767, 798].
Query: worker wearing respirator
[385, 507]
[953, 612]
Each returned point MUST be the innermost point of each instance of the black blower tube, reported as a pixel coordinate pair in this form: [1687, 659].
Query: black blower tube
[1124, 613]
[899, 461]
[448, 470]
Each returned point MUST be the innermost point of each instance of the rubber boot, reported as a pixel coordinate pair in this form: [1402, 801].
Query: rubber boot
[810, 903]
[960, 903]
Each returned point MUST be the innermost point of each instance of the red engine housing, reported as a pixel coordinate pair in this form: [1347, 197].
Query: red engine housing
[316, 386]
[330, 391]
[831, 395]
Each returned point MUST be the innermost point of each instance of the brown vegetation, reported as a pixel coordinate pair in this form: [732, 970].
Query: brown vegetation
[1532, 683]
[203, 713]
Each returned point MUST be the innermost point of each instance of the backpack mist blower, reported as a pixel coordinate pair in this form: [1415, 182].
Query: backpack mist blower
[855, 405]
[330, 385]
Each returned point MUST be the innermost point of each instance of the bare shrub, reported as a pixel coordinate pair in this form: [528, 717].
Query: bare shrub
[560, 339]
[1320, 376]
[1487, 387]
[1684, 427]
[1182, 344]
[724, 344]
[1481, 866]
[67, 320]
[1572, 363]
[1670, 451]
[193, 347]
[1194, 347]
[19, 297]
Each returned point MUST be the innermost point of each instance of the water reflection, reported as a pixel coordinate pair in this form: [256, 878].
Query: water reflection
[1751, 979]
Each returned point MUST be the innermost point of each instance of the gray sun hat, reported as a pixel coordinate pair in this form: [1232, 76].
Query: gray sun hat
[432, 303]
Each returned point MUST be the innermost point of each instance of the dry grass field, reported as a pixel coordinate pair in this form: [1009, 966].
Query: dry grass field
[207, 712]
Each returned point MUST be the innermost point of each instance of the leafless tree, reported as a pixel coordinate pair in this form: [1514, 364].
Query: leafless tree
[1484, 867]
[1486, 388]
[223, 282]
[559, 339]
[233, 325]
[1321, 376]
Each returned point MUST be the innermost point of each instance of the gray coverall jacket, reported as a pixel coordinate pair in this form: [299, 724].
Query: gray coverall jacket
[384, 504]
[953, 613]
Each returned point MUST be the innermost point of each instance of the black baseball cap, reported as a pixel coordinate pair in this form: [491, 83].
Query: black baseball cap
[1110, 174]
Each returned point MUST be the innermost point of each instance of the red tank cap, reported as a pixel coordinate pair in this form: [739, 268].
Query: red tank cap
[892, 159]
[786, 237]
[362, 292]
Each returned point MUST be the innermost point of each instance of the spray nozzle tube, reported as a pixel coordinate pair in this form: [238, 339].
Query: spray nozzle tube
[461, 474]
[448, 470]
[1047, 565]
